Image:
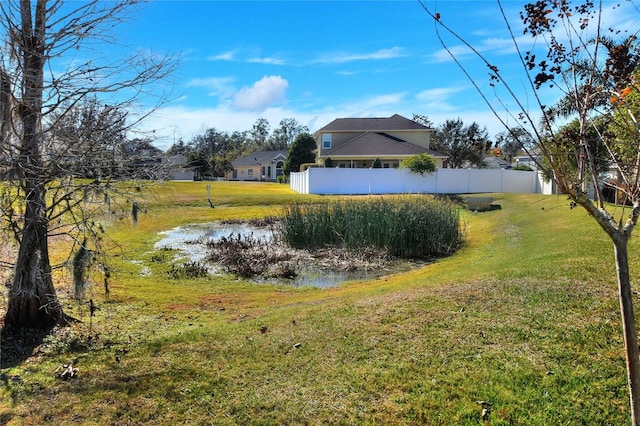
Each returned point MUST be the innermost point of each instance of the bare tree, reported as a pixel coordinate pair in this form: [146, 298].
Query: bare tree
[42, 80]
[89, 139]
[592, 76]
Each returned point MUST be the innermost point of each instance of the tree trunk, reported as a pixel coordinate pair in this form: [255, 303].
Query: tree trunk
[628, 328]
[32, 297]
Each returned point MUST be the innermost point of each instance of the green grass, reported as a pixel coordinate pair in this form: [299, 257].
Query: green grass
[404, 226]
[524, 315]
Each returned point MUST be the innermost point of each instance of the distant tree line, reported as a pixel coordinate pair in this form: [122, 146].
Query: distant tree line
[468, 145]
[211, 153]
[90, 140]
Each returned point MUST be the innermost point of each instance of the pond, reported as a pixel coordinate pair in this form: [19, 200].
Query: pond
[193, 243]
[190, 240]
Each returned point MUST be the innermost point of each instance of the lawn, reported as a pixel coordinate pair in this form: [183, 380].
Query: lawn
[524, 316]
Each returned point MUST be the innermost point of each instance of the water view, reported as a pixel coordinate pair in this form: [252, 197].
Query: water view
[318, 269]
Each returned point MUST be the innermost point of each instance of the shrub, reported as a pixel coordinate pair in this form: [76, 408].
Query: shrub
[404, 226]
[523, 167]
[190, 269]
[420, 164]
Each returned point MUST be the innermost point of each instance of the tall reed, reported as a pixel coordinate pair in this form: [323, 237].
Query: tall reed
[405, 226]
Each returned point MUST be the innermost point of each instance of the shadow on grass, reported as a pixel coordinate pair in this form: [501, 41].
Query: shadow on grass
[18, 345]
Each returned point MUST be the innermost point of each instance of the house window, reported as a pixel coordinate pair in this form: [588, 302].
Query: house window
[326, 141]
[250, 174]
[235, 174]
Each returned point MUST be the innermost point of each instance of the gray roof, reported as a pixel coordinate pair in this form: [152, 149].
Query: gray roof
[394, 123]
[493, 162]
[259, 158]
[378, 144]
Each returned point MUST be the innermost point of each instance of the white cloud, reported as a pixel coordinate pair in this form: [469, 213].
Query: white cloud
[215, 86]
[266, 60]
[343, 57]
[438, 99]
[249, 55]
[265, 92]
[170, 124]
[383, 100]
[229, 55]
[621, 16]
[437, 94]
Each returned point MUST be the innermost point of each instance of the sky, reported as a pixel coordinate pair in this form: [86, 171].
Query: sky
[315, 61]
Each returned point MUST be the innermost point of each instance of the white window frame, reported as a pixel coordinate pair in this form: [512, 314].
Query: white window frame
[326, 141]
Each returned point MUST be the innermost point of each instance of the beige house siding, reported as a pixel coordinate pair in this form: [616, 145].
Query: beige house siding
[358, 142]
[364, 162]
[338, 139]
[258, 166]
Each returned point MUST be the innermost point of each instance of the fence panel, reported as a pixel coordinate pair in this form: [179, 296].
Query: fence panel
[316, 180]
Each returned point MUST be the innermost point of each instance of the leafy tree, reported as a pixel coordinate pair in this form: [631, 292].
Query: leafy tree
[377, 164]
[259, 135]
[420, 164]
[238, 144]
[597, 136]
[422, 119]
[178, 148]
[626, 107]
[284, 136]
[209, 153]
[512, 142]
[592, 76]
[301, 152]
[39, 199]
[465, 145]
[197, 161]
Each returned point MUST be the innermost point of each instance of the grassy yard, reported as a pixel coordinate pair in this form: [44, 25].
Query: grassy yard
[524, 316]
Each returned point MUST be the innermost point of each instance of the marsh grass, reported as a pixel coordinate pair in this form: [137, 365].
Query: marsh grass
[524, 315]
[405, 226]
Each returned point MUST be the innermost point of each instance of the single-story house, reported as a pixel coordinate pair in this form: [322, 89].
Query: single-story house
[530, 159]
[359, 142]
[493, 162]
[258, 166]
[174, 168]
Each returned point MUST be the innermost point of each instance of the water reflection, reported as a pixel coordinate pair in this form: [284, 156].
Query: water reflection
[189, 242]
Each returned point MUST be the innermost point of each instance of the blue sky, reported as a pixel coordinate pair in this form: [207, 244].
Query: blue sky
[315, 61]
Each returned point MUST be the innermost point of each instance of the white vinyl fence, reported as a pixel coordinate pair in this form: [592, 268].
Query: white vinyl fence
[343, 181]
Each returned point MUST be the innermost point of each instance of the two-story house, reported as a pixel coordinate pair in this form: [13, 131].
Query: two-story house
[359, 142]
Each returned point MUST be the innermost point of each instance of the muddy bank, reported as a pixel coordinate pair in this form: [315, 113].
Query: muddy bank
[253, 250]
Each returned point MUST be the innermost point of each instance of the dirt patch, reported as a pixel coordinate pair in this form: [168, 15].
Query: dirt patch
[251, 257]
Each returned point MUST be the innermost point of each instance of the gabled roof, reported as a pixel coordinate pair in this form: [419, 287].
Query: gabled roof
[259, 158]
[137, 146]
[394, 123]
[378, 144]
[493, 162]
